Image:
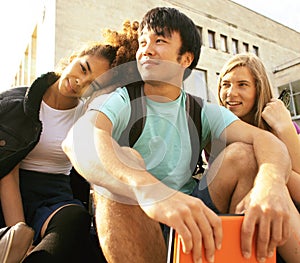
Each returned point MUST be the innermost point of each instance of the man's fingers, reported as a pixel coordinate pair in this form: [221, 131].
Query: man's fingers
[212, 233]
[216, 225]
[201, 230]
[262, 239]
[218, 232]
[185, 236]
[247, 233]
[271, 232]
[194, 239]
[208, 239]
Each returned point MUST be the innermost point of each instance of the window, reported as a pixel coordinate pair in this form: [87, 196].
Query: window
[200, 34]
[245, 47]
[224, 46]
[27, 68]
[196, 83]
[255, 50]
[235, 46]
[211, 39]
[294, 88]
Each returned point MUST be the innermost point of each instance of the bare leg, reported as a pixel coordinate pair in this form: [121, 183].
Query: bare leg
[127, 234]
[231, 176]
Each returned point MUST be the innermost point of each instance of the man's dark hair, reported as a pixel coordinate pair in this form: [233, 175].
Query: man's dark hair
[165, 20]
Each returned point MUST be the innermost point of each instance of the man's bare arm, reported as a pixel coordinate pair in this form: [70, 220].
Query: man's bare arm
[266, 205]
[120, 170]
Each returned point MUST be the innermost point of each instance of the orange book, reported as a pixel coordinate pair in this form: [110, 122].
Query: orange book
[231, 245]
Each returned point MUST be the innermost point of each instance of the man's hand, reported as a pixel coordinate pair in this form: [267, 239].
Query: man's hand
[266, 216]
[193, 221]
[121, 170]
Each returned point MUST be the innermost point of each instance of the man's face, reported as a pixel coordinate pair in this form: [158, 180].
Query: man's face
[158, 57]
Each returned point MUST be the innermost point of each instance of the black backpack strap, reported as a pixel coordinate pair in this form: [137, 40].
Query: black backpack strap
[193, 108]
[138, 115]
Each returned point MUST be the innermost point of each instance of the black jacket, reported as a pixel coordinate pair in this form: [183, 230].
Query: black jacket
[20, 126]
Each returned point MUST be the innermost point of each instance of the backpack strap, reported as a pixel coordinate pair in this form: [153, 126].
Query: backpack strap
[193, 107]
[138, 118]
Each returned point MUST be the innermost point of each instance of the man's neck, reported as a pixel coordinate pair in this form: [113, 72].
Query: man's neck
[161, 92]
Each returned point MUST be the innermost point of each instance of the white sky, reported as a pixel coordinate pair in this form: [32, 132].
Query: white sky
[286, 12]
[17, 18]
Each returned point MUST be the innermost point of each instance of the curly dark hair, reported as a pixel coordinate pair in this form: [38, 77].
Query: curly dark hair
[122, 61]
[119, 48]
[125, 42]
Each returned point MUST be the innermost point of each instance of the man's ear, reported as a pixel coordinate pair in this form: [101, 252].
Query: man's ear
[187, 59]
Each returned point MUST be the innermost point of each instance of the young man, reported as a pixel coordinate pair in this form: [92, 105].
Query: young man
[152, 182]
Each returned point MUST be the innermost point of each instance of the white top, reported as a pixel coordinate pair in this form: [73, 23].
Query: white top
[48, 156]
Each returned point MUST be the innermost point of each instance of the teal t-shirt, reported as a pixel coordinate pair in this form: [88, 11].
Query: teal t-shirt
[165, 142]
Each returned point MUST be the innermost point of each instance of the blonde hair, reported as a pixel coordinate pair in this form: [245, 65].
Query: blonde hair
[262, 83]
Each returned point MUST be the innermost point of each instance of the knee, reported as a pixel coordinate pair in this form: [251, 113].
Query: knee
[239, 149]
[73, 216]
[241, 156]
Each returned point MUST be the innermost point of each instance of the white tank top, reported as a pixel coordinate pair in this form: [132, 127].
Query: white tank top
[48, 156]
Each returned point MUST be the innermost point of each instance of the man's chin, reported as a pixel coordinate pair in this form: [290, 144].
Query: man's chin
[156, 80]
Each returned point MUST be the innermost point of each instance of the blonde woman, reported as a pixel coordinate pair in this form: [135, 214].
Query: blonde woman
[244, 89]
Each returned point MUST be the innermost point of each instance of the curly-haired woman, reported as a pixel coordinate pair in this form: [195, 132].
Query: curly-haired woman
[38, 164]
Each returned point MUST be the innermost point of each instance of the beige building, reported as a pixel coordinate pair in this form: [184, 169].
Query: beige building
[226, 28]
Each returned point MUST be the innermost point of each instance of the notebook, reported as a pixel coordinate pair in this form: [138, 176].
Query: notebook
[230, 252]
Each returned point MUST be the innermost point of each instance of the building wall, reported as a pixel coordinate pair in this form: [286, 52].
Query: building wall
[66, 25]
[78, 21]
[287, 72]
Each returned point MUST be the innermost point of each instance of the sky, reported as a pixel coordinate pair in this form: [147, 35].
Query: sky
[285, 12]
[17, 19]
[18, 16]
